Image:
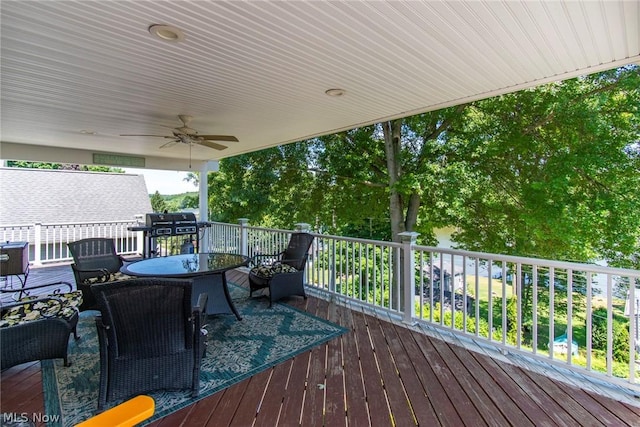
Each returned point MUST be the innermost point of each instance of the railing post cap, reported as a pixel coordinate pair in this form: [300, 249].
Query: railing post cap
[243, 221]
[302, 226]
[408, 236]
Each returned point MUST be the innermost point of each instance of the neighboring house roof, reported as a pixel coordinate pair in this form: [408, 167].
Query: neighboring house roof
[28, 196]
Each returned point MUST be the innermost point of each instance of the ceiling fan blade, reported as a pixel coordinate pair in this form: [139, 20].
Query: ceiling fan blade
[211, 144]
[169, 144]
[229, 138]
[159, 136]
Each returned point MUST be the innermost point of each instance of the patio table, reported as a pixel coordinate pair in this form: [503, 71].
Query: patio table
[207, 270]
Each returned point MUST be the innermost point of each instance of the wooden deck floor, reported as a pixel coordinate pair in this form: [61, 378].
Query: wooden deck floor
[378, 374]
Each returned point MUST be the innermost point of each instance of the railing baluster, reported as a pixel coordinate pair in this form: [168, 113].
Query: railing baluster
[569, 315]
[589, 320]
[534, 306]
[517, 284]
[490, 297]
[633, 333]
[552, 287]
[504, 303]
[477, 294]
[609, 326]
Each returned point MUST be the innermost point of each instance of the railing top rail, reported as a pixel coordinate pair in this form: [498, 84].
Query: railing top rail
[251, 227]
[271, 230]
[222, 223]
[359, 240]
[118, 221]
[576, 266]
[319, 235]
[45, 224]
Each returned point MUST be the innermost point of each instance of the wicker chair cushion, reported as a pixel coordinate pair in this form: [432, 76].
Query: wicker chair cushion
[114, 277]
[60, 305]
[268, 271]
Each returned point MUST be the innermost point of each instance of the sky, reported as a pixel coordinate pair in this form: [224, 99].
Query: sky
[165, 182]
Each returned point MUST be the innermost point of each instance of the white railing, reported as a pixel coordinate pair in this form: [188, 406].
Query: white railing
[578, 314]
[581, 322]
[48, 242]
[503, 300]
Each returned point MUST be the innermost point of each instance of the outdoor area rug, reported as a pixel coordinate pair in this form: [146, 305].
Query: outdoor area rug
[236, 350]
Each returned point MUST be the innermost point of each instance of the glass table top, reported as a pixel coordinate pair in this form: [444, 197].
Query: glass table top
[186, 264]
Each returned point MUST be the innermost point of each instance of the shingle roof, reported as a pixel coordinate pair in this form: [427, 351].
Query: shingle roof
[28, 196]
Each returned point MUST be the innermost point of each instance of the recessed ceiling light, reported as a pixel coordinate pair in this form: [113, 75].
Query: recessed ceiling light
[167, 33]
[335, 92]
[88, 132]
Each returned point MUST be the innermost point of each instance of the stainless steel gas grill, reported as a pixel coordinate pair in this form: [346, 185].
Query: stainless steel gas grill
[171, 224]
[170, 233]
[184, 223]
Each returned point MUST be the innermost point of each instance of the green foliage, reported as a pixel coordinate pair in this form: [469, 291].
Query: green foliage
[621, 342]
[362, 273]
[551, 171]
[547, 172]
[272, 187]
[62, 166]
[620, 331]
[177, 202]
[157, 203]
[483, 325]
[512, 318]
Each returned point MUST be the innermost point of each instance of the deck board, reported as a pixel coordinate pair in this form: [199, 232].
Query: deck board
[436, 395]
[477, 394]
[408, 360]
[335, 390]
[400, 406]
[274, 393]
[249, 403]
[558, 394]
[377, 374]
[356, 402]
[498, 380]
[553, 409]
[496, 397]
[457, 396]
[375, 393]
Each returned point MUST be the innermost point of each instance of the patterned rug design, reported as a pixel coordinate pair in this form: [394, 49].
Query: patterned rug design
[236, 350]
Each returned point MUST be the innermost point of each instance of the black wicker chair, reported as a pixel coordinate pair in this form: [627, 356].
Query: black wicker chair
[37, 327]
[94, 260]
[282, 273]
[150, 337]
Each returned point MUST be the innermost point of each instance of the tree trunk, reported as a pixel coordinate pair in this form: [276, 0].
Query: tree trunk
[392, 133]
[400, 220]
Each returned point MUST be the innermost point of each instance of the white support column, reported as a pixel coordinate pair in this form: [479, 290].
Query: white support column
[408, 276]
[244, 236]
[203, 195]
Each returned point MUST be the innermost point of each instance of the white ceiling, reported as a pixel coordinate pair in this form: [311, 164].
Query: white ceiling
[259, 69]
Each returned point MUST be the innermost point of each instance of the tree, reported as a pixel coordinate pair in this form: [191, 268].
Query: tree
[271, 187]
[157, 203]
[549, 172]
[553, 171]
[398, 161]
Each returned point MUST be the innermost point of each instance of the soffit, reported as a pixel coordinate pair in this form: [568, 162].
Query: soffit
[259, 69]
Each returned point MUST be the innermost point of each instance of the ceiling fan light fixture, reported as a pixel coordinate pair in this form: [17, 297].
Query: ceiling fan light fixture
[166, 33]
[335, 92]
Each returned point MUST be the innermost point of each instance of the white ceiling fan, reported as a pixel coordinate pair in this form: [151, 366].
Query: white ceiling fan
[187, 135]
